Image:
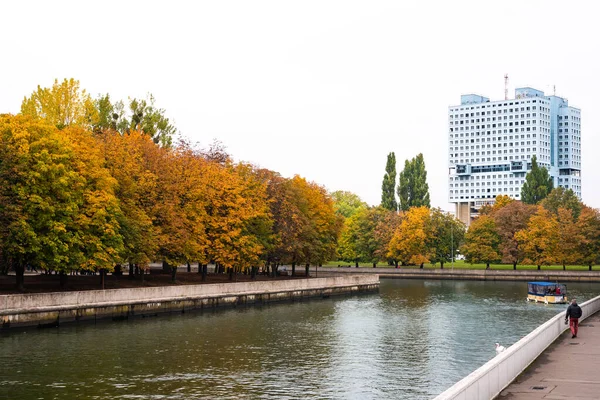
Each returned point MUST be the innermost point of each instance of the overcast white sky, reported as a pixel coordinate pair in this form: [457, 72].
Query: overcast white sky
[324, 89]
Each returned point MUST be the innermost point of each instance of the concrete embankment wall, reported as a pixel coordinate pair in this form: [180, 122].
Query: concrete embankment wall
[52, 309]
[467, 274]
[488, 381]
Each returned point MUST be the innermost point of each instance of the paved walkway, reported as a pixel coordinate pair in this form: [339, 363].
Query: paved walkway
[568, 369]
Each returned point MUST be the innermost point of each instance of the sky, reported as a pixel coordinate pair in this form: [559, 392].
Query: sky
[323, 89]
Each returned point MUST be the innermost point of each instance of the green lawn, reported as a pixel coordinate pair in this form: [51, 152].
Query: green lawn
[459, 264]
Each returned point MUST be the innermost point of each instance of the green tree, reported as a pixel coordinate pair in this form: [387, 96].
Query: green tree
[145, 116]
[538, 184]
[413, 189]
[447, 234]
[562, 198]
[388, 187]
[346, 203]
[482, 241]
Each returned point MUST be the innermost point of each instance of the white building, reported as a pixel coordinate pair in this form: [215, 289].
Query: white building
[491, 144]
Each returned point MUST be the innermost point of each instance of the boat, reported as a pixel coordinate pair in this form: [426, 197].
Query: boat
[547, 292]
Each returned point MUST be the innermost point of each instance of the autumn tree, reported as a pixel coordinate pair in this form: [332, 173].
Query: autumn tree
[538, 184]
[569, 239]
[57, 206]
[588, 226]
[409, 243]
[447, 234]
[413, 189]
[388, 187]
[346, 203]
[482, 241]
[539, 239]
[359, 241]
[61, 105]
[387, 224]
[510, 219]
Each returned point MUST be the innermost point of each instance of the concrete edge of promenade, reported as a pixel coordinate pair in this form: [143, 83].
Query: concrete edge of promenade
[470, 274]
[489, 380]
[56, 308]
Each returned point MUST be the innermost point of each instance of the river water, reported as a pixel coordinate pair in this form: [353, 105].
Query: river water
[412, 340]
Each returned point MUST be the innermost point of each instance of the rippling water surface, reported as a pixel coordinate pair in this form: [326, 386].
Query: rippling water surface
[411, 341]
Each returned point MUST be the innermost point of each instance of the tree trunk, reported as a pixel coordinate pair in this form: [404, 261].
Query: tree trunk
[590, 267]
[20, 275]
[487, 265]
[166, 267]
[230, 273]
[253, 273]
[294, 268]
[356, 264]
[441, 265]
[307, 272]
[515, 265]
[173, 272]
[63, 279]
[374, 264]
[189, 267]
[564, 267]
[131, 270]
[102, 275]
[421, 266]
[274, 270]
[396, 263]
[539, 267]
[143, 271]
[204, 271]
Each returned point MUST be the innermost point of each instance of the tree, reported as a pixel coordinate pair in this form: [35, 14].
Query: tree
[61, 105]
[481, 241]
[409, 243]
[539, 239]
[57, 206]
[510, 219]
[413, 189]
[388, 187]
[562, 198]
[538, 184]
[346, 203]
[588, 226]
[145, 116]
[387, 224]
[447, 234]
[569, 239]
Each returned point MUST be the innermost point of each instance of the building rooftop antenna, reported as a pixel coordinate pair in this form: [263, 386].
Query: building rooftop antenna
[505, 86]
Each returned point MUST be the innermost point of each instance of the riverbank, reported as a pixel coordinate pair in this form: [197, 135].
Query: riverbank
[466, 274]
[54, 309]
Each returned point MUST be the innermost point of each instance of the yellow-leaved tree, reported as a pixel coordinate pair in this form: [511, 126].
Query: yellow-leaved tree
[62, 105]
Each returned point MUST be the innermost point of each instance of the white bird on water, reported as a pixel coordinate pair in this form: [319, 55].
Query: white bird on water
[499, 348]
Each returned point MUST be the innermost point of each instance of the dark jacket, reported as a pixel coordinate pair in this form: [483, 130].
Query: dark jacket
[573, 311]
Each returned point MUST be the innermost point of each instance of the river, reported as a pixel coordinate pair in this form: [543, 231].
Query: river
[412, 340]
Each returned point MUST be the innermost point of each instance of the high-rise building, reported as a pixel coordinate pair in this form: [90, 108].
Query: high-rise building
[491, 144]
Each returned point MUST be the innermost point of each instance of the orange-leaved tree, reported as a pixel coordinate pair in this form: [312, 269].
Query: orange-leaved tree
[409, 243]
[539, 239]
[588, 225]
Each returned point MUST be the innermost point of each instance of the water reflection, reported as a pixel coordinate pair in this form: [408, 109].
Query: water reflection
[412, 340]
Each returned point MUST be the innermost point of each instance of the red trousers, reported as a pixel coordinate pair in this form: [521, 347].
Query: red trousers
[574, 324]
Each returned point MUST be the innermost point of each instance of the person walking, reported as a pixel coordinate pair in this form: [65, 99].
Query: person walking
[573, 313]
